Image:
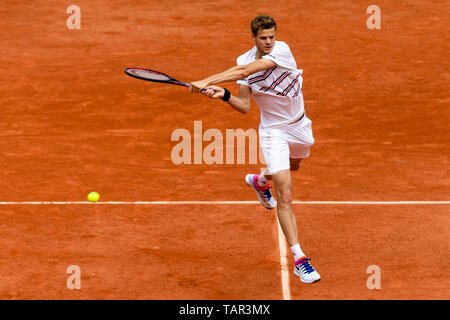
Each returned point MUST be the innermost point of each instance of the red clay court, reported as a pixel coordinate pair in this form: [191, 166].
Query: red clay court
[72, 123]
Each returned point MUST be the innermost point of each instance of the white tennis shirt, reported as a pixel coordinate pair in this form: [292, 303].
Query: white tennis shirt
[277, 91]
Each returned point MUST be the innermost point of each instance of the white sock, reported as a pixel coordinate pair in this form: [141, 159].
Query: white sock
[297, 252]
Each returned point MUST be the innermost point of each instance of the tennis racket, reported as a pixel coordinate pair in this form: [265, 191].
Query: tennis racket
[154, 76]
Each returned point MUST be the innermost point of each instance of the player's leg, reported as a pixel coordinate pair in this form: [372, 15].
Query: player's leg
[300, 140]
[264, 178]
[283, 188]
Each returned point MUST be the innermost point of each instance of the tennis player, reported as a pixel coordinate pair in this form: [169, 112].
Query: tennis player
[268, 73]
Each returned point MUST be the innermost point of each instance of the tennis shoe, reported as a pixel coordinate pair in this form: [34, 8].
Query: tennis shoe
[264, 194]
[305, 271]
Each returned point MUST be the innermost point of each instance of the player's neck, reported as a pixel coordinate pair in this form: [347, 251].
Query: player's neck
[258, 54]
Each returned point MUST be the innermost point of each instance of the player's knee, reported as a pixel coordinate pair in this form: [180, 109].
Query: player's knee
[284, 197]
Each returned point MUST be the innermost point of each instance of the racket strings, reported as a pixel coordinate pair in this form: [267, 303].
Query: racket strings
[148, 74]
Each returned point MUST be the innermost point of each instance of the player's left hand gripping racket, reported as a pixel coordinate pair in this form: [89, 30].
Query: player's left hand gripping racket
[154, 76]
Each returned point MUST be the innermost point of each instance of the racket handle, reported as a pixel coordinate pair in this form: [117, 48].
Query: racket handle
[203, 90]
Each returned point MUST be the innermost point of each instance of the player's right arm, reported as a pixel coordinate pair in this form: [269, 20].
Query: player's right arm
[240, 103]
[235, 73]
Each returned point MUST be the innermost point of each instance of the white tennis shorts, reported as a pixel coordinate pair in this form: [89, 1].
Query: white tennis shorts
[290, 141]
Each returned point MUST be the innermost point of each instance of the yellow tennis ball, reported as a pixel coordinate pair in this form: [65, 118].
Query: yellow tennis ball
[93, 196]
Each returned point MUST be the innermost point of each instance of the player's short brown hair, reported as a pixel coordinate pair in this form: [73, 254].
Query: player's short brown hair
[262, 22]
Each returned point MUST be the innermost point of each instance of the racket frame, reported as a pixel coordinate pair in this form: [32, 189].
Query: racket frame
[170, 80]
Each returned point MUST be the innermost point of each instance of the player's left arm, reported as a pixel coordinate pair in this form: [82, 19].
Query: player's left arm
[233, 74]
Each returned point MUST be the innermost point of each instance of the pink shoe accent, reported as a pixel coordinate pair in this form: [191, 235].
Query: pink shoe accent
[255, 183]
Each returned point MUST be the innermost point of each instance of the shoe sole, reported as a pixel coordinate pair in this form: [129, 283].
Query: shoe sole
[251, 185]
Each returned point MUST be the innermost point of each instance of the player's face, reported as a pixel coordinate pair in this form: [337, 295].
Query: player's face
[265, 40]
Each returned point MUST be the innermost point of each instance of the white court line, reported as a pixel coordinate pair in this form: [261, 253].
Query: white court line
[284, 264]
[281, 239]
[214, 202]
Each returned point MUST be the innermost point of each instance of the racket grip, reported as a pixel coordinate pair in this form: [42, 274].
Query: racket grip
[203, 90]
